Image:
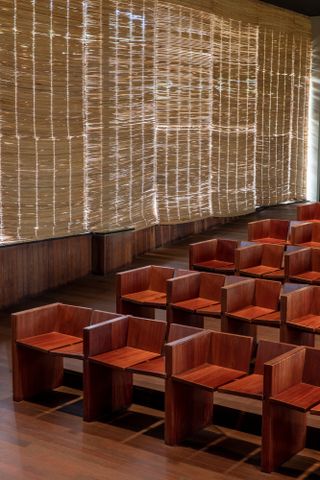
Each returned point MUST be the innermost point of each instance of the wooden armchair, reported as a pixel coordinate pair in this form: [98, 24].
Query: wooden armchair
[303, 266]
[110, 349]
[291, 389]
[309, 212]
[196, 296]
[248, 303]
[261, 261]
[306, 235]
[216, 255]
[300, 316]
[269, 231]
[251, 386]
[40, 338]
[196, 367]
[141, 290]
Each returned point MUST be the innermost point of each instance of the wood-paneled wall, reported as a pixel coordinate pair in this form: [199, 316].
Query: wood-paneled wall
[27, 269]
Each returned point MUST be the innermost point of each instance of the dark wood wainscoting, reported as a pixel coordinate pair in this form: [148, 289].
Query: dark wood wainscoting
[27, 269]
[115, 250]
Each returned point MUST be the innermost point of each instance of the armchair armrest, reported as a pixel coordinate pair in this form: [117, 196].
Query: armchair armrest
[246, 257]
[105, 336]
[202, 251]
[238, 295]
[183, 288]
[297, 262]
[187, 353]
[35, 321]
[283, 372]
[301, 233]
[296, 304]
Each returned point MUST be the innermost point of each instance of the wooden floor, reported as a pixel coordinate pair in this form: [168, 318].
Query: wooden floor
[47, 439]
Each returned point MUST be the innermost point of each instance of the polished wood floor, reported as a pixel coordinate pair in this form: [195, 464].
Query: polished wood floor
[47, 439]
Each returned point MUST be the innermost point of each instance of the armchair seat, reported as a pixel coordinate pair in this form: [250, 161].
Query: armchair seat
[276, 275]
[123, 357]
[209, 376]
[155, 367]
[250, 312]
[315, 410]
[250, 386]
[214, 309]
[272, 240]
[214, 264]
[308, 322]
[194, 304]
[259, 270]
[71, 351]
[47, 342]
[301, 396]
[306, 276]
[272, 319]
[151, 297]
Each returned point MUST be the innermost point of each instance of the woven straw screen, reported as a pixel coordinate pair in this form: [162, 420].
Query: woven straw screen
[120, 113]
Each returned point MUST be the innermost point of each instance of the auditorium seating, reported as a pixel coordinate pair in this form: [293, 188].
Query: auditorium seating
[215, 255]
[269, 231]
[192, 297]
[196, 367]
[110, 348]
[261, 260]
[309, 212]
[306, 235]
[248, 303]
[139, 291]
[303, 266]
[300, 316]
[41, 337]
[291, 389]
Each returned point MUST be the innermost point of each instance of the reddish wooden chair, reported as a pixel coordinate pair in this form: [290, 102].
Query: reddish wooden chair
[141, 290]
[306, 235]
[193, 297]
[40, 338]
[251, 386]
[291, 389]
[303, 266]
[196, 367]
[215, 255]
[261, 261]
[300, 316]
[156, 366]
[248, 303]
[269, 231]
[110, 349]
[309, 212]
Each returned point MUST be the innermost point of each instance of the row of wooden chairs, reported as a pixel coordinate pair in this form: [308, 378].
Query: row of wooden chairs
[194, 363]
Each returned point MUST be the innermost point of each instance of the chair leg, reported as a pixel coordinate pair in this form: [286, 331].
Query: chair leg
[105, 390]
[34, 372]
[296, 336]
[231, 325]
[187, 410]
[283, 435]
[182, 317]
[130, 308]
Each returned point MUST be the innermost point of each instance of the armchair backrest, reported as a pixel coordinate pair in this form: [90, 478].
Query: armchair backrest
[315, 232]
[272, 255]
[105, 336]
[246, 257]
[237, 295]
[267, 351]
[202, 251]
[231, 351]
[35, 321]
[72, 319]
[267, 293]
[312, 367]
[146, 334]
[210, 285]
[187, 353]
[279, 229]
[315, 259]
[177, 331]
[225, 249]
[297, 261]
[258, 229]
[159, 277]
[296, 304]
[308, 212]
